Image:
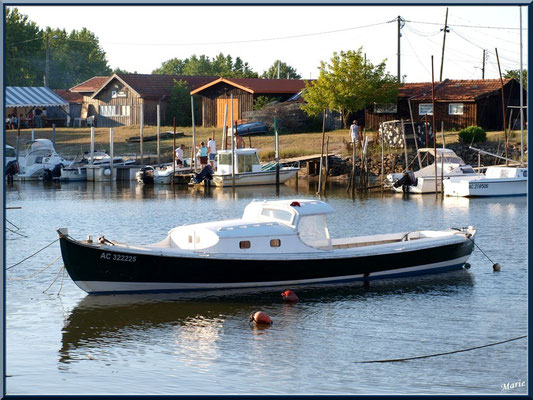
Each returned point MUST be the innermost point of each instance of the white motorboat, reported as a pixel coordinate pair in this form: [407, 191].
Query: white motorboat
[496, 181]
[248, 169]
[275, 243]
[422, 181]
[40, 156]
[10, 154]
[77, 170]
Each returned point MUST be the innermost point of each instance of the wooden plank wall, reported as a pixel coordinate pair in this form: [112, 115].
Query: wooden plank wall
[209, 102]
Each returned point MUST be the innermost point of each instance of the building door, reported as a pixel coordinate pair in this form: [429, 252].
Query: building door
[221, 106]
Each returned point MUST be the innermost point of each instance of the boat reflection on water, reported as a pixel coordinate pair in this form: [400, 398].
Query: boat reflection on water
[197, 320]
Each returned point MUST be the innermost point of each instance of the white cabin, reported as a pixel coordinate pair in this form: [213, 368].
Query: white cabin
[247, 161]
[282, 226]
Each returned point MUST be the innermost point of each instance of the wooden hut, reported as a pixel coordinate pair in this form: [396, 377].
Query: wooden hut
[117, 100]
[458, 103]
[216, 94]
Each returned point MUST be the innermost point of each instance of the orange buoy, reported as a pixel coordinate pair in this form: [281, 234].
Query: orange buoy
[260, 318]
[289, 296]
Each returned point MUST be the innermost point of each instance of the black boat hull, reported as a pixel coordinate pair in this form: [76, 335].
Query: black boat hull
[116, 269]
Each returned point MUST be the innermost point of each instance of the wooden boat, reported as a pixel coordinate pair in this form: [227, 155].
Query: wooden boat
[248, 169]
[423, 181]
[275, 243]
[496, 181]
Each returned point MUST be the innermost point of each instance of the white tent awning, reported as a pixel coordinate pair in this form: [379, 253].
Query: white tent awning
[32, 97]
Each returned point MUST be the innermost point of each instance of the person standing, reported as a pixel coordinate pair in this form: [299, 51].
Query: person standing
[202, 154]
[354, 132]
[37, 118]
[211, 151]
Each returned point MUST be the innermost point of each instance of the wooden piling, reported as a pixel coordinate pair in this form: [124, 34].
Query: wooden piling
[92, 146]
[159, 132]
[276, 145]
[322, 152]
[233, 135]
[111, 151]
[174, 151]
[433, 123]
[141, 137]
[193, 151]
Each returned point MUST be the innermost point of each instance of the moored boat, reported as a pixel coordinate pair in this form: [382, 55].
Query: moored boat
[40, 156]
[248, 169]
[423, 181]
[496, 181]
[275, 243]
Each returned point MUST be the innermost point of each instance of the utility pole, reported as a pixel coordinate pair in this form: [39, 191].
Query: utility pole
[483, 69]
[47, 59]
[443, 43]
[401, 23]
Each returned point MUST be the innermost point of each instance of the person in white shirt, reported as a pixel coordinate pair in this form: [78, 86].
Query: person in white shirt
[180, 162]
[354, 131]
[211, 151]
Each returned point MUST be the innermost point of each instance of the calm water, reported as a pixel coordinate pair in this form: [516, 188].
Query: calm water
[65, 342]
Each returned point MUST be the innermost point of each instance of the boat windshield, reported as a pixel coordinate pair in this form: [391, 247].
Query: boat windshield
[313, 231]
[278, 214]
[10, 152]
[449, 159]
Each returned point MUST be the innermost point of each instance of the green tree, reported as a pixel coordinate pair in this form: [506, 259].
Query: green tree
[515, 73]
[24, 53]
[179, 105]
[285, 71]
[119, 71]
[202, 65]
[75, 57]
[348, 84]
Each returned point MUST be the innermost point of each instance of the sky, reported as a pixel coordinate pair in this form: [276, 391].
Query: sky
[140, 38]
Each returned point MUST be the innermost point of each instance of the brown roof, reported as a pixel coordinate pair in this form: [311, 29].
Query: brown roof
[259, 86]
[90, 85]
[452, 90]
[156, 86]
[68, 96]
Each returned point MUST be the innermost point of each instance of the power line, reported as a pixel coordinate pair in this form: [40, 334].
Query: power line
[250, 40]
[463, 26]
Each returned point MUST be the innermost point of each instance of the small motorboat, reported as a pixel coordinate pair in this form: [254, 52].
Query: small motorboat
[422, 181]
[161, 174]
[248, 169]
[40, 156]
[274, 243]
[77, 170]
[496, 181]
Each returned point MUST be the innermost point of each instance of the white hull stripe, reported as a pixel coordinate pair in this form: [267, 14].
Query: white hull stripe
[106, 287]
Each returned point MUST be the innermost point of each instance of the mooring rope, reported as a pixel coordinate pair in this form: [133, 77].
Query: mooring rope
[62, 279]
[440, 354]
[12, 224]
[37, 273]
[479, 248]
[15, 232]
[57, 276]
[27, 258]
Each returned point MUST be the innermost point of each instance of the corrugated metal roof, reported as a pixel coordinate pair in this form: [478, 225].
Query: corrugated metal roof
[32, 97]
[452, 90]
[90, 85]
[71, 97]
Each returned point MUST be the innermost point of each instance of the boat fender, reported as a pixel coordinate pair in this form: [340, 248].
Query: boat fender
[260, 318]
[289, 296]
[497, 267]
[295, 204]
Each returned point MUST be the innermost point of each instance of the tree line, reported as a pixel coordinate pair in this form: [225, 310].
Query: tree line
[74, 57]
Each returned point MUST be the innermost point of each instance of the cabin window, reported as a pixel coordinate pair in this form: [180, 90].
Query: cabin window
[255, 159]
[245, 162]
[313, 231]
[275, 242]
[108, 111]
[424, 109]
[224, 158]
[126, 110]
[190, 239]
[10, 152]
[455, 109]
[277, 214]
[385, 108]
[245, 244]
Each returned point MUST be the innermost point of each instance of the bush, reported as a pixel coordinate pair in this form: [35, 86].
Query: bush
[472, 134]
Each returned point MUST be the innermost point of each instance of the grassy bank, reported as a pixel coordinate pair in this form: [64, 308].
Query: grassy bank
[73, 141]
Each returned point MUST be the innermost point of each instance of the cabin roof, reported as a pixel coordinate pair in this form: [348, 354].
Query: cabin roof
[90, 85]
[299, 206]
[258, 86]
[242, 228]
[452, 90]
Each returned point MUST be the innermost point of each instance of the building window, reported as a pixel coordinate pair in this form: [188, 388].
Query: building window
[455, 109]
[275, 242]
[245, 244]
[424, 109]
[115, 111]
[385, 108]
